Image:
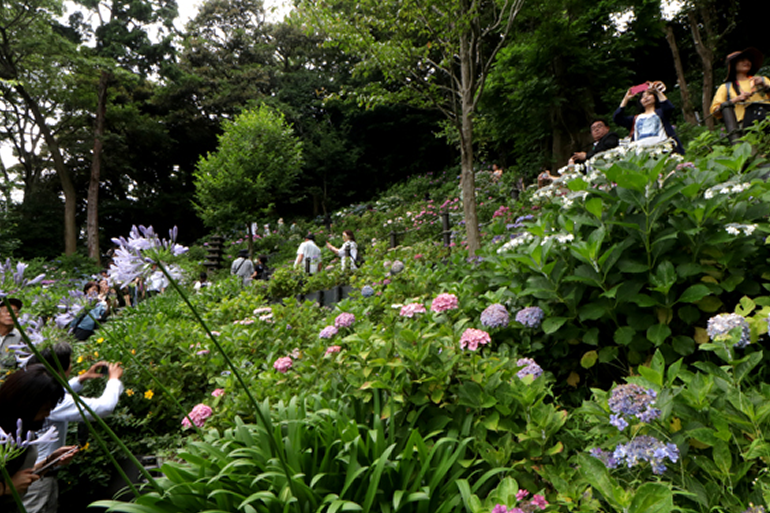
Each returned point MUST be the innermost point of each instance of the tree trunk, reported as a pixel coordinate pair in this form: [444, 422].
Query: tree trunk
[687, 109]
[68, 188]
[707, 62]
[467, 179]
[92, 223]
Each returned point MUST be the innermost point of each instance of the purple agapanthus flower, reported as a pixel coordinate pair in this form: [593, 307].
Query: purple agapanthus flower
[135, 256]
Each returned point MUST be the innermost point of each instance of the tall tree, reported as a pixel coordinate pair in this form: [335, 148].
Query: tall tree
[440, 52]
[256, 163]
[31, 56]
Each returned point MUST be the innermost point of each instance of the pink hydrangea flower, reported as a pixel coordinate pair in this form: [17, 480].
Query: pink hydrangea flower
[202, 352]
[328, 332]
[199, 414]
[411, 309]
[444, 302]
[539, 501]
[283, 364]
[472, 338]
[344, 320]
[332, 350]
[218, 392]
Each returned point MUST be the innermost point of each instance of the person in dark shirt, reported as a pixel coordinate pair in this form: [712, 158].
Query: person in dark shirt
[603, 141]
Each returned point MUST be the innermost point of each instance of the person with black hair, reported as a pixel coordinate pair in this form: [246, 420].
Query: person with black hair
[748, 92]
[261, 270]
[653, 125]
[84, 325]
[308, 255]
[348, 252]
[43, 495]
[243, 267]
[603, 141]
[28, 395]
[9, 336]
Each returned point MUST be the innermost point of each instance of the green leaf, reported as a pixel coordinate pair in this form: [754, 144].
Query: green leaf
[624, 335]
[658, 333]
[592, 311]
[589, 359]
[594, 206]
[722, 457]
[709, 304]
[652, 498]
[552, 324]
[629, 266]
[694, 293]
[608, 354]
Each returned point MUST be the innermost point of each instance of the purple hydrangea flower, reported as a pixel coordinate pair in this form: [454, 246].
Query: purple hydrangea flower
[722, 324]
[328, 332]
[397, 267]
[495, 316]
[649, 449]
[344, 320]
[530, 368]
[632, 400]
[531, 316]
[607, 458]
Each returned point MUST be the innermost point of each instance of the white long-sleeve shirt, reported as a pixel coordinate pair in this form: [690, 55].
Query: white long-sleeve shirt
[67, 411]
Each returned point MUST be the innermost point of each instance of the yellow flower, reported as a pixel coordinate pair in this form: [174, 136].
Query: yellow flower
[133, 351]
[85, 447]
[99, 340]
[96, 354]
[149, 394]
[82, 372]
[129, 392]
[80, 359]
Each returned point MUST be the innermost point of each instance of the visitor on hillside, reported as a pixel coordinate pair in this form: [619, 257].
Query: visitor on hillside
[43, 495]
[348, 252]
[203, 281]
[545, 178]
[746, 91]
[243, 267]
[261, 271]
[28, 395]
[84, 325]
[653, 125]
[603, 141]
[309, 255]
[497, 173]
[9, 336]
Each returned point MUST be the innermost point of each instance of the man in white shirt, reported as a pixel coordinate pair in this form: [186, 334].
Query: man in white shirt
[308, 255]
[42, 496]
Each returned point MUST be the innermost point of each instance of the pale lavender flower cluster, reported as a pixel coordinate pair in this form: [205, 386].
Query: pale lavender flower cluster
[71, 306]
[531, 316]
[473, 338]
[444, 302]
[495, 316]
[367, 291]
[12, 446]
[130, 259]
[530, 368]
[411, 310]
[344, 320]
[605, 456]
[16, 276]
[649, 449]
[722, 324]
[199, 414]
[33, 328]
[755, 509]
[397, 267]
[328, 332]
[632, 400]
[283, 364]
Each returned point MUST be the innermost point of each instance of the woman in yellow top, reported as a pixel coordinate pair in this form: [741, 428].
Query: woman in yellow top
[748, 92]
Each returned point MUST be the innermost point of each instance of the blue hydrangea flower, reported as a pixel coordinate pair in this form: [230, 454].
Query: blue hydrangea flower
[649, 449]
[606, 457]
[531, 316]
[633, 401]
[531, 368]
[367, 291]
[721, 325]
[494, 316]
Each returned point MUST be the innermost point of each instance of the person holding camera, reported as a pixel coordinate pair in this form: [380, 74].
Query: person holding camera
[653, 125]
[743, 88]
[43, 495]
